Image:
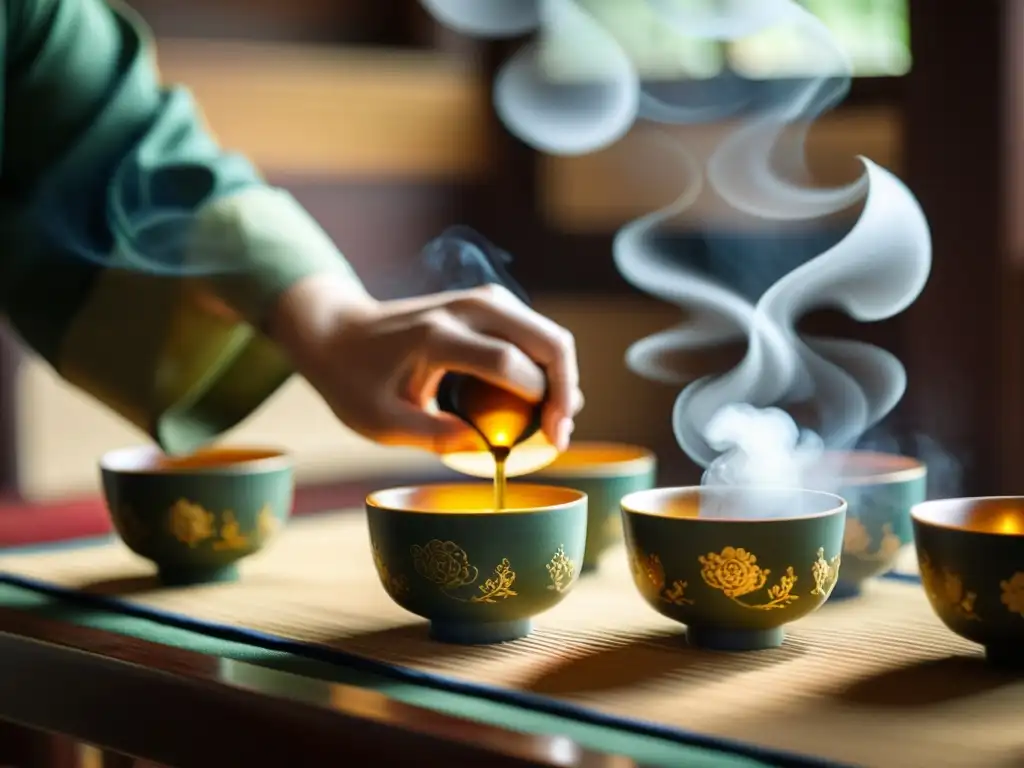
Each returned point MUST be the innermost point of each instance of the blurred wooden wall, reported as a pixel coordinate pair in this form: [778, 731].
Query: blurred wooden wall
[381, 124]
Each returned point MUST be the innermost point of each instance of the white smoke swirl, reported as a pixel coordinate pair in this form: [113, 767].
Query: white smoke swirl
[486, 18]
[757, 169]
[572, 117]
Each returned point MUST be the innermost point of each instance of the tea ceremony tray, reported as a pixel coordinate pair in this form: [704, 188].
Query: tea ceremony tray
[872, 681]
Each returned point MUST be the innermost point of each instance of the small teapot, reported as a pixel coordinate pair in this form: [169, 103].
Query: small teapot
[502, 419]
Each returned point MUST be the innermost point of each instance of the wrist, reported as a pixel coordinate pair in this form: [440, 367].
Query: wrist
[314, 309]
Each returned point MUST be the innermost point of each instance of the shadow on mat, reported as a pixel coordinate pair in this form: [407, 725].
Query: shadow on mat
[661, 657]
[123, 586]
[126, 586]
[932, 682]
[405, 644]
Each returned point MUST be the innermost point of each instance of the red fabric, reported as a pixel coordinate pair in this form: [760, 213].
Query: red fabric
[23, 524]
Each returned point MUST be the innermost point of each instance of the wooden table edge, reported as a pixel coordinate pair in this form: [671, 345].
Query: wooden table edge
[175, 707]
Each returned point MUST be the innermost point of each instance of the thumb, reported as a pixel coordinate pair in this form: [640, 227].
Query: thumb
[414, 427]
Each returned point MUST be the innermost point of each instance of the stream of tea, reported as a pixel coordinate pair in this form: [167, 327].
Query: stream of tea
[500, 480]
[502, 419]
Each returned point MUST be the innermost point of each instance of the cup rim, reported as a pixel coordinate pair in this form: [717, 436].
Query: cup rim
[629, 508]
[641, 460]
[373, 500]
[918, 510]
[141, 460]
[912, 470]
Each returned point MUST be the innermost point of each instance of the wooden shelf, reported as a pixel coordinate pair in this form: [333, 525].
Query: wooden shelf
[319, 111]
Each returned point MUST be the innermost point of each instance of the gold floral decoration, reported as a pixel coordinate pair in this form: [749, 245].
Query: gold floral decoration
[395, 585]
[191, 524]
[946, 589]
[825, 573]
[857, 541]
[446, 564]
[266, 523]
[561, 570]
[676, 594]
[231, 536]
[649, 575]
[499, 586]
[1013, 593]
[735, 573]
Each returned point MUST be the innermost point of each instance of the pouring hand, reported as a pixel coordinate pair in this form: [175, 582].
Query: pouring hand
[378, 363]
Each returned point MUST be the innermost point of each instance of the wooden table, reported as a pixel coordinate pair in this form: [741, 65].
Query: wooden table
[73, 676]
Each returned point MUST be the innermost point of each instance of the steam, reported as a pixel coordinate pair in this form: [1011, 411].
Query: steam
[734, 424]
[460, 257]
[508, 18]
[151, 218]
[595, 108]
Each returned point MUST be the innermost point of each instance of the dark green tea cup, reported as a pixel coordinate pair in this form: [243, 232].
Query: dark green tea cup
[734, 564]
[880, 489]
[971, 556]
[605, 472]
[477, 575]
[195, 517]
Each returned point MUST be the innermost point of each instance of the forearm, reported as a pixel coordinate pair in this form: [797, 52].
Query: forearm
[154, 346]
[266, 243]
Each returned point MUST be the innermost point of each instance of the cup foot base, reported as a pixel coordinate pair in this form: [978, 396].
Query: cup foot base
[183, 577]
[1005, 657]
[846, 590]
[479, 632]
[735, 639]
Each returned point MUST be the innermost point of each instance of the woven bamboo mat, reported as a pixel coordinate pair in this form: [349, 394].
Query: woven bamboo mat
[873, 681]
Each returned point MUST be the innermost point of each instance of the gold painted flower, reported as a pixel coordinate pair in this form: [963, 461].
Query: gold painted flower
[266, 523]
[947, 589]
[1013, 593]
[396, 586]
[890, 544]
[648, 572]
[825, 573]
[561, 571]
[499, 585]
[676, 594]
[190, 523]
[856, 539]
[444, 563]
[231, 536]
[733, 571]
[953, 592]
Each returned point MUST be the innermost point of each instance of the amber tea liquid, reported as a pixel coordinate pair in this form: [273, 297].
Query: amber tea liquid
[500, 480]
[501, 418]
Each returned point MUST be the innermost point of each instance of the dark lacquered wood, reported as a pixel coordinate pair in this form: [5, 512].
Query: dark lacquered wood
[181, 708]
[1012, 444]
[955, 336]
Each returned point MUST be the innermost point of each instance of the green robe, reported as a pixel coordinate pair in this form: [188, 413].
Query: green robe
[83, 102]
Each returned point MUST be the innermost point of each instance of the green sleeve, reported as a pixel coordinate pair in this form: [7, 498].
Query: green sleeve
[164, 331]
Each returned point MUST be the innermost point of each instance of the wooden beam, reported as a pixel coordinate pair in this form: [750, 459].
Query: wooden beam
[327, 112]
[208, 712]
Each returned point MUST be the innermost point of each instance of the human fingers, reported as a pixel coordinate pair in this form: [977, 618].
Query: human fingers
[407, 425]
[453, 346]
[495, 311]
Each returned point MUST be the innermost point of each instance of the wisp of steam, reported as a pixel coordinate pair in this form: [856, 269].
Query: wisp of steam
[460, 257]
[149, 209]
[732, 424]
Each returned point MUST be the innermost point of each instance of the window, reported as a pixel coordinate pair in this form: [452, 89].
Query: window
[874, 34]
